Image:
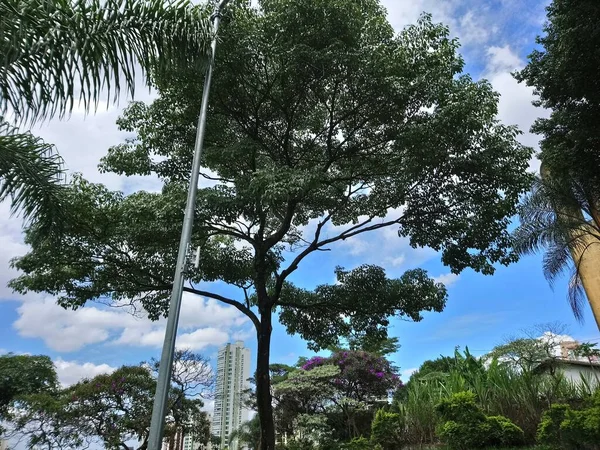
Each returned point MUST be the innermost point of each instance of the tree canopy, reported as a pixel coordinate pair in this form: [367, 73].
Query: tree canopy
[22, 375]
[324, 125]
[113, 408]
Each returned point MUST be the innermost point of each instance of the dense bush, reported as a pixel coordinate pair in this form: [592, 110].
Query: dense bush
[549, 432]
[465, 426]
[386, 430]
[360, 443]
[564, 427]
[501, 431]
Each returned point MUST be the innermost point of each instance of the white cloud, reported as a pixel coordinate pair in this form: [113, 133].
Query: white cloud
[503, 59]
[66, 330]
[70, 372]
[202, 338]
[447, 279]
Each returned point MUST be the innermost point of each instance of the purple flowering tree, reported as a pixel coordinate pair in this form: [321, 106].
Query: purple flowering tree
[364, 377]
[345, 387]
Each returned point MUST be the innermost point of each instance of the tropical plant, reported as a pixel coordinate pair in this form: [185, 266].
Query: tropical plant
[562, 219]
[562, 215]
[59, 53]
[248, 433]
[500, 390]
[387, 430]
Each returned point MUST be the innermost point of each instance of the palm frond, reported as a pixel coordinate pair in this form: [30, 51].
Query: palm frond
[54, 53]
[31, 175]
[556, 260]
[576, 295]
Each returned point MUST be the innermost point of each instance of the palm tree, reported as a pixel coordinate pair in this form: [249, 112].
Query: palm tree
[58, 53]
[562, 218]
[248, 433]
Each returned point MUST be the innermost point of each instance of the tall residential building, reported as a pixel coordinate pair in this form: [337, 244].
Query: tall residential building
[233, 371]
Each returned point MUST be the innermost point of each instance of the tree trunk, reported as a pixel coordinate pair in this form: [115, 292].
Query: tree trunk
[263, 383]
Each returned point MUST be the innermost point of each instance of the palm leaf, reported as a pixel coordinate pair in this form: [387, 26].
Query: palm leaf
[552, 220]
[30, 175]
[58, 52]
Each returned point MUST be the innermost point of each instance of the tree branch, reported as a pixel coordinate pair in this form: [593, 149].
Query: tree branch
[240, 306]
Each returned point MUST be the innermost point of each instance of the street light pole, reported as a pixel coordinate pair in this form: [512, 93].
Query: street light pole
[163, 383]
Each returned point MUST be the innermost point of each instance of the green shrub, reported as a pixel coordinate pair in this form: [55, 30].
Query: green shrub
[502, 432]
[360, 443]
[549, 430]
[460, 407]
[461, 436]
[581, 429]
[386, 430]
[563, 427]
[466, 427]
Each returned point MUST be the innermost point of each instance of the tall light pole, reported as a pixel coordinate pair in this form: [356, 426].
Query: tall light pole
[163, 383]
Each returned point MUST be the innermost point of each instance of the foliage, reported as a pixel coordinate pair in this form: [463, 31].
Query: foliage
[30, 175]
[562, 73]
[248, 433]
[553, 219]
[531, 347]
[465, 426]
[45, 46]
[362, 376]
[387, 430]
[113, 407]
[360, 443]
[588, 350]
[563, 426]
[324, 126]
[500, 389]
[58, 54]
[555, 216]
[340, 392]
[549, 432]
[23, 375]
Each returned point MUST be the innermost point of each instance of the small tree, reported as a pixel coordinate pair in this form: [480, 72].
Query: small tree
[21, 376]
[113, 408]
[324, 125]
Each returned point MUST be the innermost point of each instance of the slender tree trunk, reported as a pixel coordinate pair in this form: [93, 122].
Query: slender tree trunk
[263, 383]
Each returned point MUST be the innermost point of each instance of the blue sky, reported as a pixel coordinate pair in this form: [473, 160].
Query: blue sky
[496, 35]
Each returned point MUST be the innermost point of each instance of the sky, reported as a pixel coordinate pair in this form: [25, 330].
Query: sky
[496, 37]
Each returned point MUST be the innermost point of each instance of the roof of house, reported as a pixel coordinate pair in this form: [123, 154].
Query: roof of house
[566, 362]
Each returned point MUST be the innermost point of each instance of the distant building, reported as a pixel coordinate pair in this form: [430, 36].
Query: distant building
[568, 350]
[3, 444]
[574, 370]
[233, 371]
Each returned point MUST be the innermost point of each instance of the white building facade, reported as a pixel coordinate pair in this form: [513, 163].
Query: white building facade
[233, 371]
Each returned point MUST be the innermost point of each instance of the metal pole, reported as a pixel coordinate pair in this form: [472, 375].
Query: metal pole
[166, 360]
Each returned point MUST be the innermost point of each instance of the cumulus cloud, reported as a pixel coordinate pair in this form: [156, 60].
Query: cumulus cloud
[70, 372]
[67, 331]
[202, 338]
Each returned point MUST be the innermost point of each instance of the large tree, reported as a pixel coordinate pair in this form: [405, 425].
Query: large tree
[58, 53]
[324, 125]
